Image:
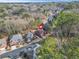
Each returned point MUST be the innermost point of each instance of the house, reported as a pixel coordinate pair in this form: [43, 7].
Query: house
[17, 38]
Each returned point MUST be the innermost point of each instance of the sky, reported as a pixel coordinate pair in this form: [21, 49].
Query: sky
[37, 0]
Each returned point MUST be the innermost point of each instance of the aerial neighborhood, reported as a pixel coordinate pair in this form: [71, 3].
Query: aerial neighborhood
[52, 28]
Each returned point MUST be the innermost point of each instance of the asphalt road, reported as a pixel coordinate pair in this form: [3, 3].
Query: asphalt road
[16, 53]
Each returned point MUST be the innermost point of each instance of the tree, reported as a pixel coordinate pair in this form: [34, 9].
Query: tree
[66, 25]
[64, 45]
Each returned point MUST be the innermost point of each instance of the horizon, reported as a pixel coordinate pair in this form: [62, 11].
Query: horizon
[26, 1]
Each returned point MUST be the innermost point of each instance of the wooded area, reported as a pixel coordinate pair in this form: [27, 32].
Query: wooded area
[63, 41]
